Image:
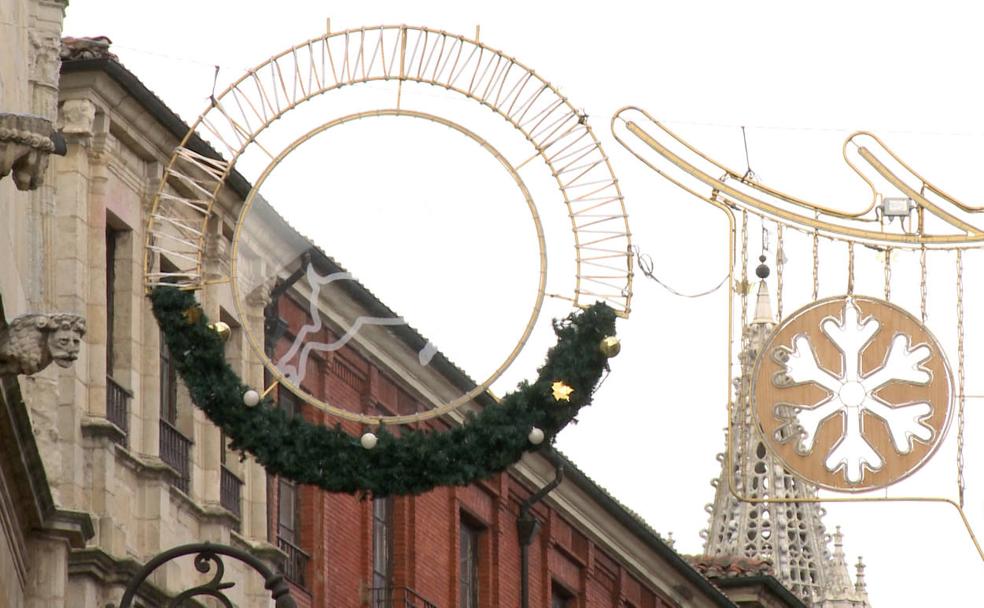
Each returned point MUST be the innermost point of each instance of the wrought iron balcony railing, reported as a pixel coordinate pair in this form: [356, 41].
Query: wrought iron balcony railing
[230, 492]
[175, 452]
[296, 565]
[397, 597]
[118, 407]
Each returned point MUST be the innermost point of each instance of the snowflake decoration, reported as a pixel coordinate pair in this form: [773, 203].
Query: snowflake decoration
[851, 394]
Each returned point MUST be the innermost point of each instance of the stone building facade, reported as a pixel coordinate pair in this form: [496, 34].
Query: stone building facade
[95, 480]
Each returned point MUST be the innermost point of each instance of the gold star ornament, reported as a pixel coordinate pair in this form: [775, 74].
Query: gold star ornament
[192, 315]
[561, 392]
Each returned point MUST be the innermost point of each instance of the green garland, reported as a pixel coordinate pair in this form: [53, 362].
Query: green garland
[412, 463]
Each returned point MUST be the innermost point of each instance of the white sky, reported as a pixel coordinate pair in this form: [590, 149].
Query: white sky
[800, 78]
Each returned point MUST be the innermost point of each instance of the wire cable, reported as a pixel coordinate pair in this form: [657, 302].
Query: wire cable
[645, 263]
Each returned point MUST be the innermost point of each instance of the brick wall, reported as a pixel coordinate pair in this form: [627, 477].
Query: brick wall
[336, 530]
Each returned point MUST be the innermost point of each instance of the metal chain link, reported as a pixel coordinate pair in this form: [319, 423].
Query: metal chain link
[922, 283]
[850, 268]
[743, 283]
[888, 274]
[779, 265]
[816, 264]
[960, 378]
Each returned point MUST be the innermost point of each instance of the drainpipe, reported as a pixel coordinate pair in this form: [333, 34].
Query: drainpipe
[273, 328]
[528, 526]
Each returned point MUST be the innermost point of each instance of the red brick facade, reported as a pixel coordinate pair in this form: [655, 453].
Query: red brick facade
[336, 530]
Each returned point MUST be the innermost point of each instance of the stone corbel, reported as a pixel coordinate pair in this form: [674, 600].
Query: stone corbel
[33, 341]
[25, 143]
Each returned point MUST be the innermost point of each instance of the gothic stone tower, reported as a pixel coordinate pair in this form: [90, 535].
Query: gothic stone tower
[791, 535]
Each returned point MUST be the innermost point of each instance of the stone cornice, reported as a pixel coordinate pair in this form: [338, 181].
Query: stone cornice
[152, 467]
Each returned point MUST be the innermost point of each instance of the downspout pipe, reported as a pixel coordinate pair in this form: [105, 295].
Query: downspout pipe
[272, 326]
[527, 526]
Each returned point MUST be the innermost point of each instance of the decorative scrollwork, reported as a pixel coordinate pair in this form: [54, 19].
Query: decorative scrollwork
[207, 556]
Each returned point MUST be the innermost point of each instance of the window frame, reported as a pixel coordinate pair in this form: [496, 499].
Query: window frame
[382, 542]
[470, 537]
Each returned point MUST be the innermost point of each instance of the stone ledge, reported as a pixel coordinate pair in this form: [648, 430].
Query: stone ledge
[108, 570]
[74, 526]
[151, 467]
[101, 428]
[25, 143]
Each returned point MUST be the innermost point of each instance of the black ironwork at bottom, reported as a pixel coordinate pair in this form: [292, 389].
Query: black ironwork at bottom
[397, 597]
[209, 554]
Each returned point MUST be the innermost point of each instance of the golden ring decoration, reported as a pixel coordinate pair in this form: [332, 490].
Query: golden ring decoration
[942, 223]
[558, 135]
[444, 408]
[846, 420]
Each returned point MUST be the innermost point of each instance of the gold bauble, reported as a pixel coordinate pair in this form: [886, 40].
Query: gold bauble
[222, 329]
[610, 346]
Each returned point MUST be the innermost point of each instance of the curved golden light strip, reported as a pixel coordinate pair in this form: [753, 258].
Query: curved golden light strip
[553, 128]
[740, 198]
[257, 343]
[738, 176]
[926, 184]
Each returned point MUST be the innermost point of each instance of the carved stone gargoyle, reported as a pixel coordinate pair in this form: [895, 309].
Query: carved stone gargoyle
[33, 341]
[25, 142]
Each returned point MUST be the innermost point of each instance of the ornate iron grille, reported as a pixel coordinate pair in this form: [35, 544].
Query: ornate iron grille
[118, 407]
[175, 449]
[230, 492]
[397, 597]
[296, 564]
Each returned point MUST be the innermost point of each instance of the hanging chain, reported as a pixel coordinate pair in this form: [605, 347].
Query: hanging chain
[960, 378]
[816, 264]
[780, 262]
[742, 285]
[922, 283]
[888, 274]
[850, 268]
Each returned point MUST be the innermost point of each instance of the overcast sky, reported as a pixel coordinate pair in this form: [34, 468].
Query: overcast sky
[799, 77]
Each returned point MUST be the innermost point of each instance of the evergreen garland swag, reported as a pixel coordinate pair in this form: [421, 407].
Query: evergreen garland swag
[412, 463]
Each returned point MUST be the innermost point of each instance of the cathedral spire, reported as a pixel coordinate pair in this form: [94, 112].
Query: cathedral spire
[840, 592]
[789, 534]
[763, 306]
[860, 587]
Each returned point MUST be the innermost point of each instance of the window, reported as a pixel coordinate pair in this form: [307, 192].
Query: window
[117, 396]
[111, 238]
[382, 542]
[169, 375]
[287, 513]
[289, 531]
[288, 402]
[560, 597]
[468, 564]
[169, 386]
[175, 447]
[287, 519]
